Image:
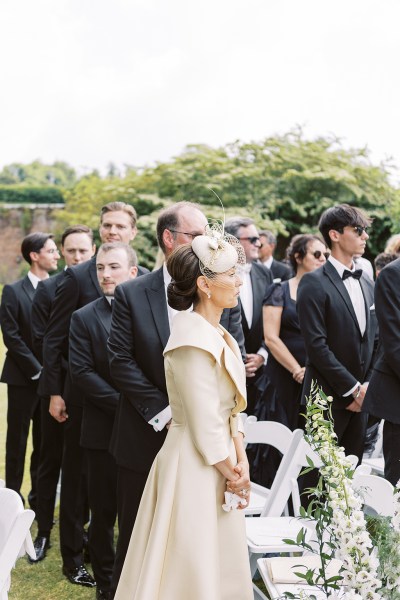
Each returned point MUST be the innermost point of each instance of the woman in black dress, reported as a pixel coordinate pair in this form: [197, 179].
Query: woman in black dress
[287, 355]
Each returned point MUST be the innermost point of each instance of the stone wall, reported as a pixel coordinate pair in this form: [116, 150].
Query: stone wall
[16, 221]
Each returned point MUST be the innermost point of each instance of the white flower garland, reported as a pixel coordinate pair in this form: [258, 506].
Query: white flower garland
[353, 543]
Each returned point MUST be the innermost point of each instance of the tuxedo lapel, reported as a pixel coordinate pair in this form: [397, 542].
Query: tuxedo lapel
[28, 288]
[334, 276]
[258, 288]
[104, 313]
[158, 305]
[93, 275]
[367, 300]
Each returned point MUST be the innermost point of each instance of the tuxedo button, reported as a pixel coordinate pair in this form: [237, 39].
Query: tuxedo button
[145, 411]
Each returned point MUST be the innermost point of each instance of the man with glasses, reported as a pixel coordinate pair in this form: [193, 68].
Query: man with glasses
[255, 280]
[335, 304]
[139, 332]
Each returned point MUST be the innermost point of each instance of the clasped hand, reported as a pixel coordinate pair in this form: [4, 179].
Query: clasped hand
[241, 485]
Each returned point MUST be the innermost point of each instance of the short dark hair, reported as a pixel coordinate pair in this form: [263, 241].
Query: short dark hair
[233, 224]
[34, 242]
[340, 216]
[76, 229]
[169, 219]
[383, 259]
[129, 251]
[119, 206]
[183, 266]
[298, 247]
[271, 238]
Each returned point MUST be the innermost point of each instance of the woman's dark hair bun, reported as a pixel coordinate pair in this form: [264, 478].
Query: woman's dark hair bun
[183, 266]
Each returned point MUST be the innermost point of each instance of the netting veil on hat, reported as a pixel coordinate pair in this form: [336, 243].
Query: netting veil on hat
[217, 251]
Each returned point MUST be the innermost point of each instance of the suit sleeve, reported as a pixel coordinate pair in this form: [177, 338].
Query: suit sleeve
[55, 342]
[146, 398]
[311, 307]
[15, 344]
[387, 307]
[83, 369]
[41, 308]
[193, 373]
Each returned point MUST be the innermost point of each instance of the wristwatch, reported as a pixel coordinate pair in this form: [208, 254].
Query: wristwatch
[356, 392]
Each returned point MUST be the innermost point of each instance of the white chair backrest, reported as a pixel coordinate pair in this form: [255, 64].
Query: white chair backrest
[14, 535]
[376, 492]
[268, 432]
[2, 483]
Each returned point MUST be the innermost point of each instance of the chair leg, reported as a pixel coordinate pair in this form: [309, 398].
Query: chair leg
[258, 593]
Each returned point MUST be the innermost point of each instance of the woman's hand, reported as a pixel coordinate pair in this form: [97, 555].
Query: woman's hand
[241, 486]
[298, 375]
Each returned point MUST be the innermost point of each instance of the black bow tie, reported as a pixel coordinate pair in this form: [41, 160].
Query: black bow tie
[356, 274]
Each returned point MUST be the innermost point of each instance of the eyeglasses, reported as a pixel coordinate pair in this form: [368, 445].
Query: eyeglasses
[253, 240]
[317, 254]
[192, 235]
[360, 230]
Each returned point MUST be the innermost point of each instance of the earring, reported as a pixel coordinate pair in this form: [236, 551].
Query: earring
[209, 295]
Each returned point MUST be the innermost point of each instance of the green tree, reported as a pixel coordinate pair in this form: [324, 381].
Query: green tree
[39, 174]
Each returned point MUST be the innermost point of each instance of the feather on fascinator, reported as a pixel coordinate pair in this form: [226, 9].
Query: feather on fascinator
[217, 251]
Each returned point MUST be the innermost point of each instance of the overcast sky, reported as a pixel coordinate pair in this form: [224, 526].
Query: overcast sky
[134, 81]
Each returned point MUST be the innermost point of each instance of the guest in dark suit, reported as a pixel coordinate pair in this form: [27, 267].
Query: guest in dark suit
[88, 359]
[22, 368]
[139, 332]
[335, 305]
[79, 287]
[256, 280]
[279, 271]
[382, 397]
[76, 247]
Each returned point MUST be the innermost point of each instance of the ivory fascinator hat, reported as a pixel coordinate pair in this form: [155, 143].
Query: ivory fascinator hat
[217, 251]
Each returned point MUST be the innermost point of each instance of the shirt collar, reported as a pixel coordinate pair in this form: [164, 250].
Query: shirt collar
[167, 277]
[340, 267]
[34, 279]
[268, 262]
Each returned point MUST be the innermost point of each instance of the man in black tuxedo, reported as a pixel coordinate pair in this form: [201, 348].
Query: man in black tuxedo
[22, 369]
[335, 305]
[255, 280]
[89, 367]
[279, 271]
[382, 397]
[76, 247]
[139, 332]
[79, 287]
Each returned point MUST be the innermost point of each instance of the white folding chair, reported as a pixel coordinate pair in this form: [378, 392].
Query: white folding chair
[15, 537]
[375, 491]
[278, 436]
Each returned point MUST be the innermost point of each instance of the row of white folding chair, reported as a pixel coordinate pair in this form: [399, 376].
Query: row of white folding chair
[15, 537]
[375, 492]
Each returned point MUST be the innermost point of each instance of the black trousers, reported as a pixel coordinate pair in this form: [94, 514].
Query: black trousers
[391, 451]
[130, 486]
[102, 496]
[73, 499]
[350, 427]
[23, 407]
[51, 450]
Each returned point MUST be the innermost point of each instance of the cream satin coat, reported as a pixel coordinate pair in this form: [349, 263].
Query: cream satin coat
[184, 546]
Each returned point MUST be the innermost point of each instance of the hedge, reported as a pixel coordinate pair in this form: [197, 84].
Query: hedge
[14, 194]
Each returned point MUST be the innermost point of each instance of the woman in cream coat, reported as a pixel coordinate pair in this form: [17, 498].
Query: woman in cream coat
[184, 544]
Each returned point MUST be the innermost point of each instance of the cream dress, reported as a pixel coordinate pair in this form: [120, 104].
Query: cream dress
[184, 546]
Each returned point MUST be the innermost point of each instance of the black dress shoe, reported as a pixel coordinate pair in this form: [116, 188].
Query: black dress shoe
[41, 544]
[102, 595]
[80, 576]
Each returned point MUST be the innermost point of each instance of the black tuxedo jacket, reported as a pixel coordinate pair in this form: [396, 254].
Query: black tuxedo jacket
[383, 394]
[78, 287]
[21, 363]
[260, 278]
[90, 371]
[138, 336]
[280, 271]
[337, 354]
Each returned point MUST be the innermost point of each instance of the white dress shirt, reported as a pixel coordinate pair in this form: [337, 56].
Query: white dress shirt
[34, 279]
[246, 299]
[353, 287]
